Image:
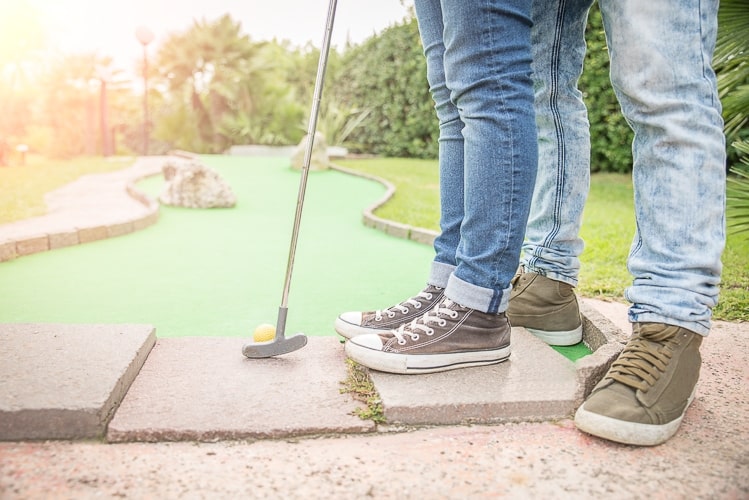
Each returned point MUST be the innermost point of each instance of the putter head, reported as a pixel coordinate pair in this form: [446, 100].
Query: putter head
[275, 347]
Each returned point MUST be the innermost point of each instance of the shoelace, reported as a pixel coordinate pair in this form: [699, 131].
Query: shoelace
[402, 306]
[421, 324]
[643, 360]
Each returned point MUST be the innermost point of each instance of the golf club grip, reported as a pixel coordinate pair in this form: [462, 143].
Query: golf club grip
[317, 95]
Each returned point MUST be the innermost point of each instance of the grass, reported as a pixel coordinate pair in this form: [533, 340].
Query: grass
[22, 187]
[416, 199]
[608, 227]
[359, 385]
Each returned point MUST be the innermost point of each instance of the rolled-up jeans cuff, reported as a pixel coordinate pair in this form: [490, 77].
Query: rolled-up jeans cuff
[473, 296]
[440, 274]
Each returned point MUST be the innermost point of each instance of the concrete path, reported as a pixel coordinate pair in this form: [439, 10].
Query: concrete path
[708, 458]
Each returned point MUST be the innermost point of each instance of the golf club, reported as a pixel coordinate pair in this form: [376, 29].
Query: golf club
[281, 344]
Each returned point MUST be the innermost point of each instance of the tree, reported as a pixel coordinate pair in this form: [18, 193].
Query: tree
[203, 67]
[732, 65]
[21, 60]
[67, 112]
[385, 77]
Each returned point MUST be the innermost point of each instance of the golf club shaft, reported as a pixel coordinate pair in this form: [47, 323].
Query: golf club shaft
[321, 66]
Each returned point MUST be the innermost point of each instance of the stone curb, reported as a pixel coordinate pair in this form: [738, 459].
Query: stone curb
[67, 224]
[67, 380]
[605, 339]
[405, 231]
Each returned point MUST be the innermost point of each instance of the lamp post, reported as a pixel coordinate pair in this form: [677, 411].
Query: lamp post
[145, 36]
[104, 75]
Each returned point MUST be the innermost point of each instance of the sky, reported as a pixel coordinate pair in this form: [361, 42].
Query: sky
[108, 26]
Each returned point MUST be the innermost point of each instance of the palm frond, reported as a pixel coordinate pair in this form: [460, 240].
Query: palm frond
[737, 193]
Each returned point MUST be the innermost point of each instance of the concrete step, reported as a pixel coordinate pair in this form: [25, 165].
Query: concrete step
[535, 383]
[204, 389]
[65, 381]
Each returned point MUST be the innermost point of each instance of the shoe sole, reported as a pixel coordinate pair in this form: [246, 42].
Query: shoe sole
[409, 364]
[561, 338]
[624, 432]
[350, 330]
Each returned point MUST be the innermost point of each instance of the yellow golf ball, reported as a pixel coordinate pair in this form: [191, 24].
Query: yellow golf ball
[264, 333]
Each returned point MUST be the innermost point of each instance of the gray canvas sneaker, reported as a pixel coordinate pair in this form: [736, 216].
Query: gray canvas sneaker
[447, 337]
[351, 324]
[545, 307]
[643, 397]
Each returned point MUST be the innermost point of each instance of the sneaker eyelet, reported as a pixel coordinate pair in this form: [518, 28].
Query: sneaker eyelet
[414, 337]
[391, 315]
[454, 314]
[430, 332]
[442, 322]
[417, 305]
[405, 311]
[378, 319]
[429, 296]
[402, 342]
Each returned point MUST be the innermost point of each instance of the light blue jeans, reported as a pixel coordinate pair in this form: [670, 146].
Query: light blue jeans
[479, 71]
[660, 52]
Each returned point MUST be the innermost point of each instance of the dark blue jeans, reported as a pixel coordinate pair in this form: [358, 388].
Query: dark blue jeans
[479, 70]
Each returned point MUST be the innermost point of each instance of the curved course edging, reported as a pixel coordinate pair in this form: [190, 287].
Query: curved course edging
[94, 207]
[397, 229]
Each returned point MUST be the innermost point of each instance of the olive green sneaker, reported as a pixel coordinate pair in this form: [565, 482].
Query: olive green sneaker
[545, 307]
[643, 397]
[353, 323]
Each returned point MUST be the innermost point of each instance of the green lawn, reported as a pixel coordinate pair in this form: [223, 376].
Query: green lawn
[608, 227]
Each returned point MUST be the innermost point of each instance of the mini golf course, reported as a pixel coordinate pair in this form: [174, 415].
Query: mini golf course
[220, 272]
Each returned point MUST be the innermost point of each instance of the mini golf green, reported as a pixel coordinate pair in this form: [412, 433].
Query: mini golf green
[220, 272]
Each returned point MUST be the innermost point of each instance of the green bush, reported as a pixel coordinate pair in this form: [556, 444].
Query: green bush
[386, 77]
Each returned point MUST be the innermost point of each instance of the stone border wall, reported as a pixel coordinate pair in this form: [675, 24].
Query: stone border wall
[397, 229]
[119, 208]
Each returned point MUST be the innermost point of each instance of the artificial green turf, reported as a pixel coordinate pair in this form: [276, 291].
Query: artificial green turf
[221, 271]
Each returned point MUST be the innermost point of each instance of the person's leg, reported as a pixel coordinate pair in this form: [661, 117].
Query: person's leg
[483, 58]
[552, 244]
[661, 71]
[353, 323]
[668, 93]
[543, 300]
[451, 144]
[487, 69]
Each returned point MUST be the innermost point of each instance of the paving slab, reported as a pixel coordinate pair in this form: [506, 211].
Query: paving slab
[204, 389]
[707, 459]
[535, 383]
[62, 381]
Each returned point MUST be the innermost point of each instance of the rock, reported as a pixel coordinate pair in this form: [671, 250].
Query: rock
[193, 185]
[319, 159]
